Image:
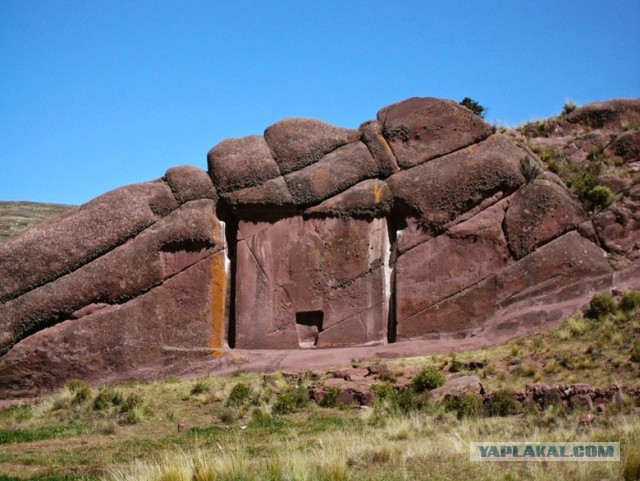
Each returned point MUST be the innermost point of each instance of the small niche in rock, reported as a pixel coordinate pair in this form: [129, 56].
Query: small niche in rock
[308, 326]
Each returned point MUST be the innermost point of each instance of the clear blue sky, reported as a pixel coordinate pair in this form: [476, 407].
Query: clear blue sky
[95, 94]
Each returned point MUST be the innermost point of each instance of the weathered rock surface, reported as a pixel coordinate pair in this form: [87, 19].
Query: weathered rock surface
[379, 148]
[310, 283]
[539, 212]
[63, 244]
[332, 174]
[238, 163]
[559, 271]
[625, 148]
[299, 142]
[610, 114]
[450, 263]
[161, 251]
[422, 224]
[168, 323]
[190, 183]
[420, 129]
[370, 198]
[440, 190]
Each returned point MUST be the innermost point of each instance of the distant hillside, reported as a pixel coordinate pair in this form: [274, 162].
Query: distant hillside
[16, 217]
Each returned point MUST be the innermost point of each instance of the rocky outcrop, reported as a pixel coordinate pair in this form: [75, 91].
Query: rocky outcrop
[130, 279]
[423, 223]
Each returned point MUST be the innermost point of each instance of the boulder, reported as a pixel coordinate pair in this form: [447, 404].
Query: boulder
[190, 183]
[450, 263]
[66, 243]
[369, 198]
[299, 142]
[438, 191]
[610, 114]
[559, 274]
[539, 212]
[379, 148]
[270, 195]
[238, 163]
[421, 129]
[626, 147]
[179, 240]
[618, 228]
[170, 323]
[457, 387]
[332, 174]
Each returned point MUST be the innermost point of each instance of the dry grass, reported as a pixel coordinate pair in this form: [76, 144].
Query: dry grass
[75, 439]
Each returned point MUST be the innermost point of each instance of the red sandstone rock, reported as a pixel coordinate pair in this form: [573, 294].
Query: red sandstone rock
[626, 147]
[457, 387]
[420, 129]
[379, 148]
[238, 163]
[179, 240]
[539, 212]
[452, 262]
[332, 174]
[311, 283]
[62, 245]
[562, 270]
[610, 113]
[618, 227]
[299, 142]
[440, 190]
[126, 283]
[190, 183]
[270, 194]
[369, 198]
[169, 323]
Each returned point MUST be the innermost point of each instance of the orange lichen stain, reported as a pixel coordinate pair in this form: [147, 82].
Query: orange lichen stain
[218, 234]
[377, 192]
[218, 293]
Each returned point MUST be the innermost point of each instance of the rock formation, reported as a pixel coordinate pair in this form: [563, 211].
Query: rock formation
[424, 223]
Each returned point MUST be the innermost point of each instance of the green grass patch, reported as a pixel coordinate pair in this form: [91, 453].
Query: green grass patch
[9, 436]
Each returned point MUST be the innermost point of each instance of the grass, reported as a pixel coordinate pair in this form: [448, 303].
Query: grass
[267, 430]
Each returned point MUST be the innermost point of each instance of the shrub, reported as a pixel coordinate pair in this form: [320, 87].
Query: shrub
[226, 414]
[330, 397]
[135, 415]
[601, 305]
[630, 301]
[290, 400]
[466, 405]
[132, 401]
[501, 403]
[200, 387]
[569, 107]
[79, 389]
[599, 197]
[107, 398]
[407, 401]
[474, 106]
[529, 168]
[239, 394]
[383, 390]
[427, 379]
[456, 366]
